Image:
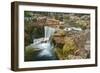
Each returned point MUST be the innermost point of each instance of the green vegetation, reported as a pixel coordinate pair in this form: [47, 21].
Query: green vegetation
[71, 45]
[31, 53]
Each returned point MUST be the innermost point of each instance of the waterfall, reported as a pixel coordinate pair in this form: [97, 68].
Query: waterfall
[48, 31]
[45, 47]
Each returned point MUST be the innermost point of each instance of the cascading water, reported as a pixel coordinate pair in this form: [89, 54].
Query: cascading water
[44, 44]
[48, 31]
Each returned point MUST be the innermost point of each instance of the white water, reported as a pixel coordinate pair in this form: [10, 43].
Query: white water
[48, 31]
[44, 44]
[46, 47]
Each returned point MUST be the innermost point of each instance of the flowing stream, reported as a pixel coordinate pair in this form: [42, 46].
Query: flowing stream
[44, 44]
